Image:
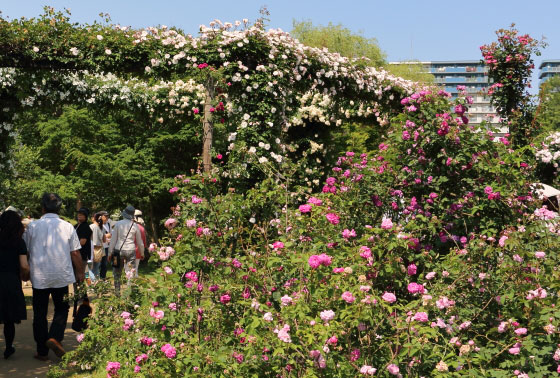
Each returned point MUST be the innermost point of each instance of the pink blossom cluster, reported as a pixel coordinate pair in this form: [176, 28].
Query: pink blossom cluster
[415, 288]
[112, 369]
[315, 261]
[538, 293]
[169, 350]
[165, 253]
[330, 186]
[156, 314]
[332, 218]
[284, 333]
[491, 194]
[367, 370]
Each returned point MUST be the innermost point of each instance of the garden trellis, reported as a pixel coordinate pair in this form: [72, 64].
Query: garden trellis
[258, 83]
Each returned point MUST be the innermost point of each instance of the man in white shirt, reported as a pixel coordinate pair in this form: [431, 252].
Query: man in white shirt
[126, 236]
[55, 263]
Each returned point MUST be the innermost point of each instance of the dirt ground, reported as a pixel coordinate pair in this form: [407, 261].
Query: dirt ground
[22, 364]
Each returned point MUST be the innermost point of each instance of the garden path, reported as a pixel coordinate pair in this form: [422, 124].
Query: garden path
[22, 364]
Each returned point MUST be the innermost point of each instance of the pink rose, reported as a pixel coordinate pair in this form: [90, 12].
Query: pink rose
[365, 252]
[393, 369]
[421, 317]
[277, 245]
[411, 269]
[332, 218]
[540, 255]
[386, 224]
[304, 208]
[173, 190]
[389, 297]
[314, 261]
[414, 288]
[169, 350]
[170, 223]
[225, 298]
[347, 297]
[314, 201]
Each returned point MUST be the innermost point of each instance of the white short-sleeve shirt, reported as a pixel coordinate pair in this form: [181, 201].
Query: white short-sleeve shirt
[49, 241]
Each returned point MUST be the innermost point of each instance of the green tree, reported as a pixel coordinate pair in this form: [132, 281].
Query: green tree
[100, 161]
[548, 114]
[339, 39]
[411, 70]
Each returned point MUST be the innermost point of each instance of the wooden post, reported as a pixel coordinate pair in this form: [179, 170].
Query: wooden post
[208, 127]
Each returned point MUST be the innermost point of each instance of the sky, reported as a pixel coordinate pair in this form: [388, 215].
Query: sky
[406, 29]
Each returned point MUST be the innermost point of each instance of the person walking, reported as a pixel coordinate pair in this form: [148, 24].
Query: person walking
[140, 223]
[97, 240]
[13, 269]
[55, 262]
[107, 230]
[84, 234]
[126, 235]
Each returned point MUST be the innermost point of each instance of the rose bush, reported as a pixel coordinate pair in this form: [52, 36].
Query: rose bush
[423, 259]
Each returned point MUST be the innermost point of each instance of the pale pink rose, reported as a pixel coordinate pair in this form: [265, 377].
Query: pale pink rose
[540, 255]
[386, 224]
[393, 369]
[389, 297]
[347, 297]
[521, 331]
[421, 317]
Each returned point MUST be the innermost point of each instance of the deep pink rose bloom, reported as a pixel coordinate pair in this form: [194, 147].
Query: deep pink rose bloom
[411, 269]
[225, 298]
[332, 218]
[314, 261]
[325, 259]
[414, 288]
[169, 350]
[173, 190]
[277, 245]
[304, 208]
[331, 181]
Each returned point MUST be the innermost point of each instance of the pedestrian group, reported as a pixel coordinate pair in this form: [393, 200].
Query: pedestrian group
[54, 254]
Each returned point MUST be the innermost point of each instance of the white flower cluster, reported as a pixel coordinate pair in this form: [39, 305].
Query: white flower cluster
[550, 153]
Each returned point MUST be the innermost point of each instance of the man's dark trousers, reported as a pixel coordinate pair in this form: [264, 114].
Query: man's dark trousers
[41, 331]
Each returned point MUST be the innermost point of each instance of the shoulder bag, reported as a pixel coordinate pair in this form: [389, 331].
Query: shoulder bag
[116, 260]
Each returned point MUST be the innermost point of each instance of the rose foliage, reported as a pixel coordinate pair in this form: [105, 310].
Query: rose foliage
[429, 257]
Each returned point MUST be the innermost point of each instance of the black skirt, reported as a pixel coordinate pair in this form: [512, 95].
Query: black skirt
[12, 300]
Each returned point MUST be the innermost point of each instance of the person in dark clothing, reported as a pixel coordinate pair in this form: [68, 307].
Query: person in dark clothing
[84, 234]
[107, 230]
[13, 268]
